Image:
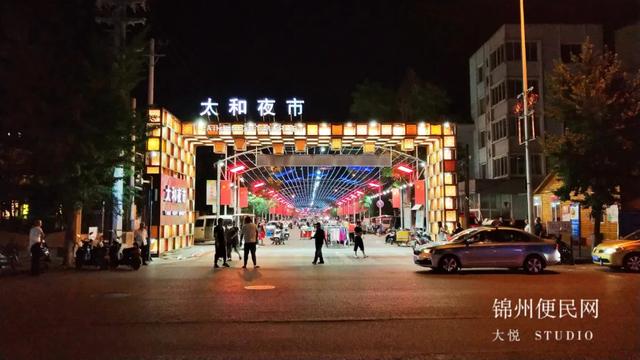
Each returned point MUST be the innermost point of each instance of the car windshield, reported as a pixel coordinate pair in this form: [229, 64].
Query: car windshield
[633, 236]
[464, 235]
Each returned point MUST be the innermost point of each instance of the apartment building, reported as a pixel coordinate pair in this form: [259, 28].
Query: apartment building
[495, 80]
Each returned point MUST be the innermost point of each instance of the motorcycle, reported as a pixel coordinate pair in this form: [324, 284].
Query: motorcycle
[566, 255]
[9, 257]
[420, 237]
[40, 257]
[90, 255]
[124, 256]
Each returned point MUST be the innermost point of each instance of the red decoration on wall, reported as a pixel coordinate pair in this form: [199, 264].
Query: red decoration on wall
[419, 192]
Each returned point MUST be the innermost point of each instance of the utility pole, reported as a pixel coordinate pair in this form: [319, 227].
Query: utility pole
[525, 89]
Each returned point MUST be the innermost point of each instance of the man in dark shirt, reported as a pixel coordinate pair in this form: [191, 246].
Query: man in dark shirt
[359, 243]
[221, 245]
[319, 237]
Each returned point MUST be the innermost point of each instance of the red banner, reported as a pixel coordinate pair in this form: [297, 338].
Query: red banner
[243, 197]
[225, 192]
[395, 198]
[419, 192]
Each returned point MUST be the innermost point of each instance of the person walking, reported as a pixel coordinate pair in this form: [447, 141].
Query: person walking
[537, 227]
[249, 233]
[140, 237]
[458, 228]
[232, 235]
[36, 236]
[357, 238]
[221, 245]
[319, 237]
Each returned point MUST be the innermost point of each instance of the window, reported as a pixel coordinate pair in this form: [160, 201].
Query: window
[555, 211]
[498, 93]
[199, 222]
[511, 122]
[500, 167]
[482, 135]
[518, 165]
[514, 87]
[483, 171]
[499, 129]
[566, 50]
[479, 74]
[514, 52]
[497, 57]
[482, 106]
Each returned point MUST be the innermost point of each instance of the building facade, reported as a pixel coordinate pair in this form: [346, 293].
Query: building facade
[497, 187]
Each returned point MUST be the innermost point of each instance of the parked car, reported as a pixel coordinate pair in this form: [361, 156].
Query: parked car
[623, 253]
[491, 247]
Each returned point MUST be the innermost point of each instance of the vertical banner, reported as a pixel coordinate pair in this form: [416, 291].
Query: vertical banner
[395, 198]
[418, 187]
[211, 192]
[225, 192]
[243, 200]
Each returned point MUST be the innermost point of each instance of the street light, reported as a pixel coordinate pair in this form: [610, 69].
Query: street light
[525, 87]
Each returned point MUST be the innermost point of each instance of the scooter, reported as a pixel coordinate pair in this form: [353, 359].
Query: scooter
[277, 238]
[566, 255]
[90, 255]
[124, 256]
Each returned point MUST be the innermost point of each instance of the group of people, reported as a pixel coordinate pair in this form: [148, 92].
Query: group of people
[229, 239]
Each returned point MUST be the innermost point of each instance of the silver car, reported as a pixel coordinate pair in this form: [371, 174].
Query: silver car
[489, 247]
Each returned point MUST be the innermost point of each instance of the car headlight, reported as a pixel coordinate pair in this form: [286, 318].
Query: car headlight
[426, 251]
[612, 250]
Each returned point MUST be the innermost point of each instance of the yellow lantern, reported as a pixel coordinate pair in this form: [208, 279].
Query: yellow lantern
[301, 145]
[336, 144]
[278, 149]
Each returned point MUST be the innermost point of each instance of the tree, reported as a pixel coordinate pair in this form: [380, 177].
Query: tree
[259, 205]
[598, 155]
[418, 99]
[371, 100]
[70, 92]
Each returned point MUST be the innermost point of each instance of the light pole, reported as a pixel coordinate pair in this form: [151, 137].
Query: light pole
[525, 87]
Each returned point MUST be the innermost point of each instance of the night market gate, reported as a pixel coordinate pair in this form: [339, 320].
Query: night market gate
[303, 168]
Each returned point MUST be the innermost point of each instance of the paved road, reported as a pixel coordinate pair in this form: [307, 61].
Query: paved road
[379, 307]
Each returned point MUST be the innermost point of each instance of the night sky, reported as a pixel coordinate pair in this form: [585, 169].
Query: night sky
[319, 50]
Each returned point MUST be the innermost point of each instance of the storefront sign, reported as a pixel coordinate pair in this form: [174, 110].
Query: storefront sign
[265, 107]
[174, 201]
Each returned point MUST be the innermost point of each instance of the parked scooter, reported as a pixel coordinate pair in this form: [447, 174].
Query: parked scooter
[91, 255]
[40, 257]
[9, 257]
[124, 256]
[420, 237]
[277, 238]
[566, 255]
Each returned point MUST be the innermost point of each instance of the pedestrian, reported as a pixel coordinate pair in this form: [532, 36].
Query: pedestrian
[527, 227]
[221, 245]
[319, 237]
[231, 235]
[458, 228]
[249, 237]
[357, 238]
[261, 233]
[442, 232]
[140, 237]
[36, 236]
[537, 227]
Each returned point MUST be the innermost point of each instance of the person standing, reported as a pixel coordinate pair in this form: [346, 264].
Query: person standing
[537, 227]
[442, 232]
[141, 238]
[262, 233]
[221, 245]
[36, 235]
[250, 238]
[357, 238]
[458, 228]
[232, 241]
[319, 237]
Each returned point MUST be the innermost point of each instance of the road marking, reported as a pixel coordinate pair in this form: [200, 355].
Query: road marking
[259, 287]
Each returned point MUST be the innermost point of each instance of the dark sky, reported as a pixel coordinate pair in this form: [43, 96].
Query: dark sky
[319, 50]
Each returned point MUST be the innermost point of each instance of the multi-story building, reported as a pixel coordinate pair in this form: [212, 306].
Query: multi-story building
[495, 74]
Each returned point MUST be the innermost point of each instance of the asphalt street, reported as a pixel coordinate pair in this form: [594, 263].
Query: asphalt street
[381, 307]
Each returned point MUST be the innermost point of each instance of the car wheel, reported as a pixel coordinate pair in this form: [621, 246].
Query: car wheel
[449, 264]
[632, 262]
[533, 264]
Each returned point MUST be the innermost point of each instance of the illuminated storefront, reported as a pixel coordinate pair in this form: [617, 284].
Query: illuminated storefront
[170, 160]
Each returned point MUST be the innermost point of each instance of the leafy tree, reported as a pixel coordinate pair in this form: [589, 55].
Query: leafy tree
[598, 155]
[418, 99]
[70, 96]
[371, 100]
[259, 205]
